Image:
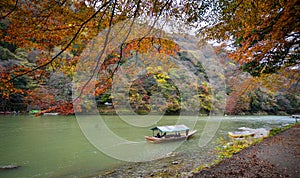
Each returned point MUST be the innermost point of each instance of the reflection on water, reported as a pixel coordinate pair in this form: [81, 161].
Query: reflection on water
[54, 146]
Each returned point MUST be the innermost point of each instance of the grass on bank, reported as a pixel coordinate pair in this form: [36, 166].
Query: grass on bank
[227, 149]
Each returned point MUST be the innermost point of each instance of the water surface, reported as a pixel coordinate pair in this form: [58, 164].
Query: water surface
[55, 146]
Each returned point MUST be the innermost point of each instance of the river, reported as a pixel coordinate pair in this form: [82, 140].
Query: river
[55, 146]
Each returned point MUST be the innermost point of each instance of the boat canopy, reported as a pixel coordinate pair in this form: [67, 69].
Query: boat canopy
[171, 128]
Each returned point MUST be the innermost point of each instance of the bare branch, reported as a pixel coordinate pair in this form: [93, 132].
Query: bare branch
[102, 52]
[149, 31]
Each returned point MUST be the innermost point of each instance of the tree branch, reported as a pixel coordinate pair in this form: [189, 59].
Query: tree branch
[149, 31]
[66, 47]
[15, 7]
[102, 52]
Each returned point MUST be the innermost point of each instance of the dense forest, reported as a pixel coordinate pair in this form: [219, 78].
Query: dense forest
[42, 43]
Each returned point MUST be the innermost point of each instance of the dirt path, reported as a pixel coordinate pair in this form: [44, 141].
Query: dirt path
[277, 156]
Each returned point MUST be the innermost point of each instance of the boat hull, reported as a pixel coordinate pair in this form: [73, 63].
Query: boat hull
[241, 134]
[170, 138]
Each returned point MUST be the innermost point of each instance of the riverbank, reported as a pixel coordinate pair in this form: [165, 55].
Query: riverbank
[186, 162]
[276, 156]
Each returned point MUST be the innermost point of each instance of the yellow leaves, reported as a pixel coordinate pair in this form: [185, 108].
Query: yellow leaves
[160, 80]
[158, 73]
[162, 75]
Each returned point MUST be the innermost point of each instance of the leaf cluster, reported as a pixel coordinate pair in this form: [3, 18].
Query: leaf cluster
[263, 35]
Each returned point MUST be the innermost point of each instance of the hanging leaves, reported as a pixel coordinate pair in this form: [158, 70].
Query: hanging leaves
[264, 35]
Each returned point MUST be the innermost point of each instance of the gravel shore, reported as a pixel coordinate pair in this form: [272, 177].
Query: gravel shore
[277, 156]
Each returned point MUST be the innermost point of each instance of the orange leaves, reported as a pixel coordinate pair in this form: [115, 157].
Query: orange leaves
[8, 88]
[100, 90]
[262, 31]
[153, 50]
[44, 24]
[46, 99]
[63, 108]
[146, 44]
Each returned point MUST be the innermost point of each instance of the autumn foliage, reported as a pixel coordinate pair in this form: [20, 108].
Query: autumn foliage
[263, 35]
[262, 38]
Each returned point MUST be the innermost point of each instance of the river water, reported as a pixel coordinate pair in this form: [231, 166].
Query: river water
[55, 146]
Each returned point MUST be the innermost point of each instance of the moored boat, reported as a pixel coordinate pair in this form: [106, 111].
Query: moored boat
[170, 133]
[242, 134]
[50, 114]
[296, 117]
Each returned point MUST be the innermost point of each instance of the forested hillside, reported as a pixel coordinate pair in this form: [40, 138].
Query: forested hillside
[42, 43]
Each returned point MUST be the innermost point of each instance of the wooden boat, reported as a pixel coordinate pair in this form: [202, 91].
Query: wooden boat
[258, 133]
[50, 114]
[9, 167]
[170, 133]
[296, 117]
[242, 134]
